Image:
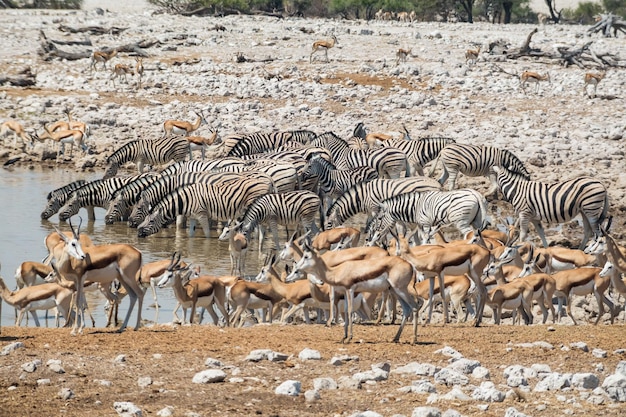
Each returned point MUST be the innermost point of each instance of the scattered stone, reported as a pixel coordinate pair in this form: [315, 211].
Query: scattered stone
[599, 353]
[451, 413]
[367, 413]
[426, 412]
[55, 366]
[621, 368]
[11, 347]
[541, 369]
[517, 375]
[448, 351]
[346, 382]
[277, 357]
[213, 363]
[144, 381]
[43, 381]
[209, 376]
[166, 412]
[65, 394]
[455, 394]
[580, 346]
[512, 412]
[290, 387]
[419, 387]
[258, 355]
[585, 381]
[488, 392]
[120, 359]
[385, 366]
[375, 374]
[449, 377]
[463, 365]
[309, 354]
[553, 382]
[127, 409]
[615, 387]
[311, 395]
[29, 367]
[422, 369]
[480, 372]
[320, 384]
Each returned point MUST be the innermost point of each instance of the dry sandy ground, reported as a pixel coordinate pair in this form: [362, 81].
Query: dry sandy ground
[171, 357]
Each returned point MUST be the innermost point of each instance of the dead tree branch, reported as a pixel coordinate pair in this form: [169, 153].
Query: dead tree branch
[93, 30]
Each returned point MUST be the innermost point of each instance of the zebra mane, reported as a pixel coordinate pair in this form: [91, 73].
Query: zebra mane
[514, 164]
[506, 170]
[115, 155]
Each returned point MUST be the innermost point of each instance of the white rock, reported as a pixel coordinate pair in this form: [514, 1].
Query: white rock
[464, 366]
[449, 377]
[209, 376]
[553, 382]
[481, 372]
[213, 363]
[367, 413]
[488, 392]
[320, 384]
[512, 412]
[166, 412]
[43, 381]
[621, 368]
[599, 353]
[290, 387]
[426, 412]
[144, 381]
[311, 395]
[580, 346]
[258, 355]
[277, 357]
[585, 381]
[65, 394]
[424, 369]
[615, 387]
[419, 387]
[455, 394]
[309, 354]
[127, 409]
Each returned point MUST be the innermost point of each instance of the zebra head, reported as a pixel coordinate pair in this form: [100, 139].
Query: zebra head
[114, 212]
[139, 213]
[52, 206]
[70, 208]
[111, 170]
[151, 224]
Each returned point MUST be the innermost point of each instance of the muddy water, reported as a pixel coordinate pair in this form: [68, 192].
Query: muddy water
[23, 197]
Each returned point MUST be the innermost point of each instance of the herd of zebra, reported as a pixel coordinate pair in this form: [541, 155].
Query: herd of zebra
[317, 183]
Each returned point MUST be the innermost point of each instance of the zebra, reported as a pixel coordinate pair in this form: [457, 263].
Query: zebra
[558, 202]
[294, 207]
[201, 166]
[57, 198]
[150, 196]
[365, 197]
[262, 142]
[476, 161]
[283, 174]
[389, 162]
[419, 152]
[202, 201]
[93, 194]
[334, 182]
[148, 151]
[126, 197]
[430, 210]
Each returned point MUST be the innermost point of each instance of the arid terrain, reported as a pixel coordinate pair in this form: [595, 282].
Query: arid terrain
[558, 131]
[172, 356]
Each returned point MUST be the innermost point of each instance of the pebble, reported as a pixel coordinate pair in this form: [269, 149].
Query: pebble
[309, 354]
[290, 387]
[209, 376]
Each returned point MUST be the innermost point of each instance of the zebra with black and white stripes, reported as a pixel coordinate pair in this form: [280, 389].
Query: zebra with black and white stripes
[535, 201]
[57, 198]
[332, 181]
[156, 191]
[240, 145]
[419, 152]
[466, 209]
[93, 194]
[291, 208]
[389, 162]
[365, 197]
[476, 161]
[148, 151]
[197, 165]
[202, 202]
[126, 197]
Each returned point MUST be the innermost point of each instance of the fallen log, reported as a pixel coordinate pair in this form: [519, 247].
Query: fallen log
[607, 23]
[24, 78]
[93, 30]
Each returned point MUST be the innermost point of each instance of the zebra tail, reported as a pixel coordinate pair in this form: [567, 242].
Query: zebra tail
[605, 209]
[432, 169]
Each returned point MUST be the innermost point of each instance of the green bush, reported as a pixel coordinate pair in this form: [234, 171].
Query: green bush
[584, 13]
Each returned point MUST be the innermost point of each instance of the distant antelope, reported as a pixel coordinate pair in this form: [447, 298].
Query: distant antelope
[180, 127]
[471, 55]
[17, 129]
[103, 57]
[323, 45]
[593, 79]
[533, 77]
[121, 71]
[402, 54]
[139, 70]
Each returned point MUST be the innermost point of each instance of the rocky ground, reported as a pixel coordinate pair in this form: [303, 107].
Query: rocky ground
[558, 131]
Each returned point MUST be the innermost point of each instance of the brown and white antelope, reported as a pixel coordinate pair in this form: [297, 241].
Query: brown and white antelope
[237, 248]
[139, 70]
[31, 273]
[471, 56]
[336, 238]
[121, 71]
[180, 127]
[459, 289]
[102, 261]
[61, 137]
[199, 143]
[372, 275]
[254, 295]
[101, 57]
[402, 55]
[323, 45]
[18, 130]
[39, 297]
[593, 79]
[533, 77]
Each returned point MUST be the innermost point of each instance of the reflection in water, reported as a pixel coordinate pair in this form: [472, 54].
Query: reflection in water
[23, 193]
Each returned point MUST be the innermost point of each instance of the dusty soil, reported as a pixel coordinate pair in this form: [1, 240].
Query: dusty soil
[171, 357]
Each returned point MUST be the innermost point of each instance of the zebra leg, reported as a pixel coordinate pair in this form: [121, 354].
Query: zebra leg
[442, 289]
[588, 228]
[204, 223]
[541, 232]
